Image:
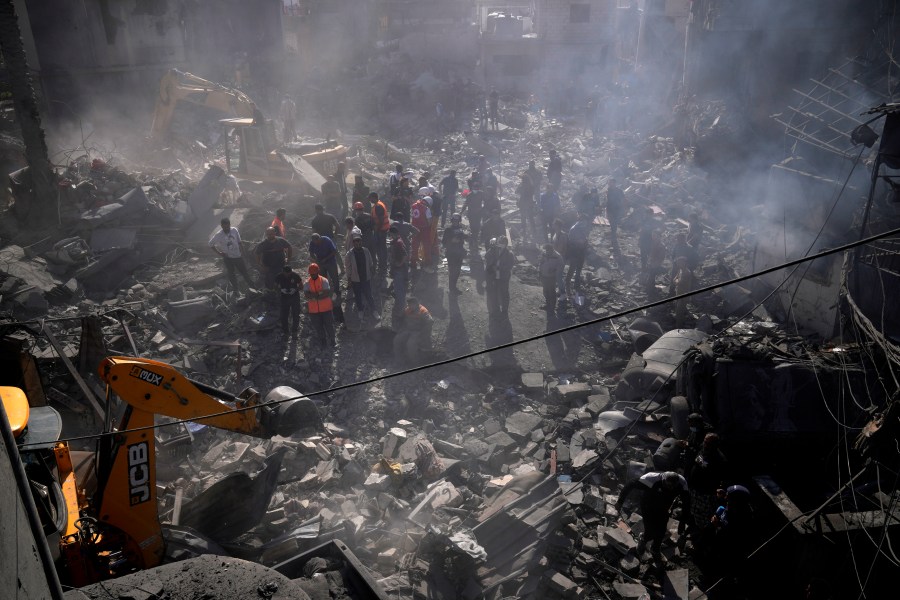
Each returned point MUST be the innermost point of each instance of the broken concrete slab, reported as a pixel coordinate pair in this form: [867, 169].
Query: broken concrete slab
[630, 590]
[676, 584]
[112, 238]
[502, 440]
[533, 381]
[573, 391]
[207, 191]
[129, 208]
[190, 314]
[617, 538]
[520, 424]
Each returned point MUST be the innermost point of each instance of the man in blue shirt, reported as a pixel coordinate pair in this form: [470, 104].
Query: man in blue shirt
[323, 252]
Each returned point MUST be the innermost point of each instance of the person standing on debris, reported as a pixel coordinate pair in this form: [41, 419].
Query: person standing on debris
[360, 191]
[331, 196]
[323, 252]
[340, 175]
[550, 269]
[360, 269]
[706, 475]
[421, 220]
[559, 238]
[589, 202]
[325, 224]
[498, 264]
[615, 212]
[398, 257]
[525, 204]
[493, 227]
[278, 222]
[394, 180]
[734, 532]
[317, 291]
[454, 243]
[491, 202]
[366, 225]
[491, 181]
[401, 203]
[350, 229]
[554, 170]
[579, 236]
[407, 231]
[290, 284]
[289, 118]
[494, 109]
[415, 332]
[549, 208]
[271, 255]
[474, 203]
[381, 223]
[227, 243]
[536, 177]
[449, 187]
[660, 490]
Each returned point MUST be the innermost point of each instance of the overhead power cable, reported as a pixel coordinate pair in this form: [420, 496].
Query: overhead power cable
[623, 313]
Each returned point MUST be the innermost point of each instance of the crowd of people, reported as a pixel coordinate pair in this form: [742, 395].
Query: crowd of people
[381, 243]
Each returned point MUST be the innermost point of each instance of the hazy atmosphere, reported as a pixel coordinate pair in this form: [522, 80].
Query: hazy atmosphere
[450, 299]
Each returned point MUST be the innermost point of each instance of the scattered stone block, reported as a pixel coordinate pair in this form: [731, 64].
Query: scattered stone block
[573, 391]
[676, 584]
[562, 585]
[502, 440]
[533, 381]
[520, 424]
[629, 590]
[618, 539]
[491, 426]
[392, 441]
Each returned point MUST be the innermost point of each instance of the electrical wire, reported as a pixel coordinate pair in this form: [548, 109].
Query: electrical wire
[540, 336]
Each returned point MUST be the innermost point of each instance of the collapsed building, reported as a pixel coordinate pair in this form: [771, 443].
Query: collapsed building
[497, 475]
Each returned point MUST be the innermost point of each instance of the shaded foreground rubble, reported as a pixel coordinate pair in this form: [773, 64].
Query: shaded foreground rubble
[496, 477]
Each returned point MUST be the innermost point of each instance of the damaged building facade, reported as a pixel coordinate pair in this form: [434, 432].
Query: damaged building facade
[168, 441]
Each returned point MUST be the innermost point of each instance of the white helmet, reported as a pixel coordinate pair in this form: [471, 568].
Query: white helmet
[424, 191]
[428, 200]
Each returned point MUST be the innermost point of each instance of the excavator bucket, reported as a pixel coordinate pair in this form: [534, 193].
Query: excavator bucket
[235, 504]
[292, 412]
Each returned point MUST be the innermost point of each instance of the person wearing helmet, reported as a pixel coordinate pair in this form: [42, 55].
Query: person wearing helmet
[454, 243]
[317, 291]
[659, 492]
[498, 264]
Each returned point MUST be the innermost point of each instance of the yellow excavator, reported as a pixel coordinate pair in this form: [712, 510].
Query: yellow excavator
[251, 148]
[177, 88]
[107, 524]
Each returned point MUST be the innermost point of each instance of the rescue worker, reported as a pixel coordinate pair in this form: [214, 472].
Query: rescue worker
[289, 284]
[579, 235]
[550, 269]
[449, 187]
[317, 291]
[554, 170]
[360, 191]
[498, 264]
[323, 252]
[325, 224]
[381, 224]
[271, 255]
[492, 227]
[421, 220]
[525, 204]
[415, 332]
[660, 490]
[278, 222]
[398, 257]
[227, 243]
[331, 196]
[549, 207]
[454, 243]
[474, 203]
[360, 269]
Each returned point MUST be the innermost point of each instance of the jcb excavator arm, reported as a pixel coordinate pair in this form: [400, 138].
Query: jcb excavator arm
[178, 86]
[126, 496]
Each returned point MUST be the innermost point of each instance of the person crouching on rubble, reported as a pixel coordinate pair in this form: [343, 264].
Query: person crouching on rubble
[415, 332]
[660, 490]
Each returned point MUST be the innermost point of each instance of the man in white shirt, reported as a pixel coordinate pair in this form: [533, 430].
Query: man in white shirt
[227, 244]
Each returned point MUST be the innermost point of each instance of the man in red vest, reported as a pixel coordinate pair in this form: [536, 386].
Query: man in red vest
[317, 291]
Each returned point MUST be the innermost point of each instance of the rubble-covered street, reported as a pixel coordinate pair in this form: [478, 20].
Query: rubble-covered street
[556, 412]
